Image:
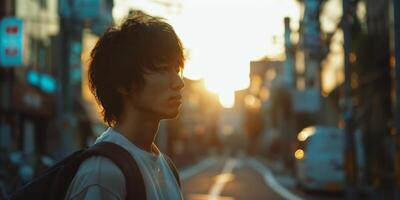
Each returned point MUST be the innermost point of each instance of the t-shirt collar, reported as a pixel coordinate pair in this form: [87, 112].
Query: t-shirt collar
[110, 132]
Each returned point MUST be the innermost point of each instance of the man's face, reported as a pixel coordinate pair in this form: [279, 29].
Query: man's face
[161, 95]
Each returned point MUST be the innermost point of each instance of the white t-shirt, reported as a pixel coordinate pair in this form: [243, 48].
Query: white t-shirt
[99, 178]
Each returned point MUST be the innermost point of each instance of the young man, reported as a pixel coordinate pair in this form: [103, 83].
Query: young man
[135, 74]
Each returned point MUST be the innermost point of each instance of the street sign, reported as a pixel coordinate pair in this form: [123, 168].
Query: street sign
[11, 42]
[75, 61]
[81, 9]
[45, 82]
[311, 27]
[87, 9]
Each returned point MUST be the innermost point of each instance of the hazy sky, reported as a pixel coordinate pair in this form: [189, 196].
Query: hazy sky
[222, 36]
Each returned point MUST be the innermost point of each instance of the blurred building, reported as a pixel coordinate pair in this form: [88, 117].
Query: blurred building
[270, 110]
[284, 96]
[232, 130]
[30, 86]
[34, 92]
[195, 131]
[372, 86]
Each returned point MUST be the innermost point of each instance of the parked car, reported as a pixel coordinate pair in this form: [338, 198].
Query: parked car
[319, 158]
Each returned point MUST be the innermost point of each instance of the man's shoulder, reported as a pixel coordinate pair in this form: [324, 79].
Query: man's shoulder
[98, 171]
[101, 170]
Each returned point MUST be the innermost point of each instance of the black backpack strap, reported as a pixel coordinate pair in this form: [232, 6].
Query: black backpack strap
[135, 188]
[174, 169]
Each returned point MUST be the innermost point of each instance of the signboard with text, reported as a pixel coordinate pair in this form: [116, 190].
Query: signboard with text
[11, 42]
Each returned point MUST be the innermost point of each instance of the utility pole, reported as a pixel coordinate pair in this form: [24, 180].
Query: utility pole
[6, 83]
[64, 112]
[289, 70]
[350, 157]
[396, 13]
[311, 43]
[65, 97]
[74, 16]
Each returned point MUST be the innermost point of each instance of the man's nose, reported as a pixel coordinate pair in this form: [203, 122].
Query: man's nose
[178, 83]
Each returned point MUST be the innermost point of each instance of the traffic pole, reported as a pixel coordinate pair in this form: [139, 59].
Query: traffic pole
[396, 13]
[65, 97]
[349, 153]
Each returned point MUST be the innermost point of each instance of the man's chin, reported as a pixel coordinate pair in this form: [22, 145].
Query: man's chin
[171, 115]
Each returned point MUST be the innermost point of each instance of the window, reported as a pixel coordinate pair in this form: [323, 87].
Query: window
[43, 4]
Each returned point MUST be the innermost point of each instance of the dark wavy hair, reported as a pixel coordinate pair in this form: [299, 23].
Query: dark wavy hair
[123, 54]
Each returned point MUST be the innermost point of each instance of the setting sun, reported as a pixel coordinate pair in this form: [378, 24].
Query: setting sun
[222, 37]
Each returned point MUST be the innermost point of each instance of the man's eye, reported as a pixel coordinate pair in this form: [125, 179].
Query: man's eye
[162, 68]
[168, 68]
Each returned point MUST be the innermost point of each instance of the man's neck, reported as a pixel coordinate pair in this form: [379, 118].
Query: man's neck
[139, 131]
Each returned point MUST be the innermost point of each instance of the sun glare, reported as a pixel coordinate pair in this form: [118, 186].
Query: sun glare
[227, 98]
[222, 37]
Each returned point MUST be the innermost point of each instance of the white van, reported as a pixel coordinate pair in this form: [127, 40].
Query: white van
[320, 158]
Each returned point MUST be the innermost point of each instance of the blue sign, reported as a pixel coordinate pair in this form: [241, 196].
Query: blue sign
[47, 83]
[81, 9]
[87, 9]
[43, 81]
[33, 78]
[75, 61]
[11, 42]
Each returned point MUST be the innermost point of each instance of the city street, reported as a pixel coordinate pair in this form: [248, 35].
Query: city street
[251, 100]
[239, 178]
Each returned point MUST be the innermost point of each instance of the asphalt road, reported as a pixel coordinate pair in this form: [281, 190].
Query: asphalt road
[238, 178]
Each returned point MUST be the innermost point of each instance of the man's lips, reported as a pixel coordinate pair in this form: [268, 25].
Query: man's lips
[175, 100]
[176, 97]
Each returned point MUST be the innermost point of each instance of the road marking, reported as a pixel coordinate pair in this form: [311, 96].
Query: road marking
[225, 176]
[197, 168]
[207, 197]
[271, 181]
